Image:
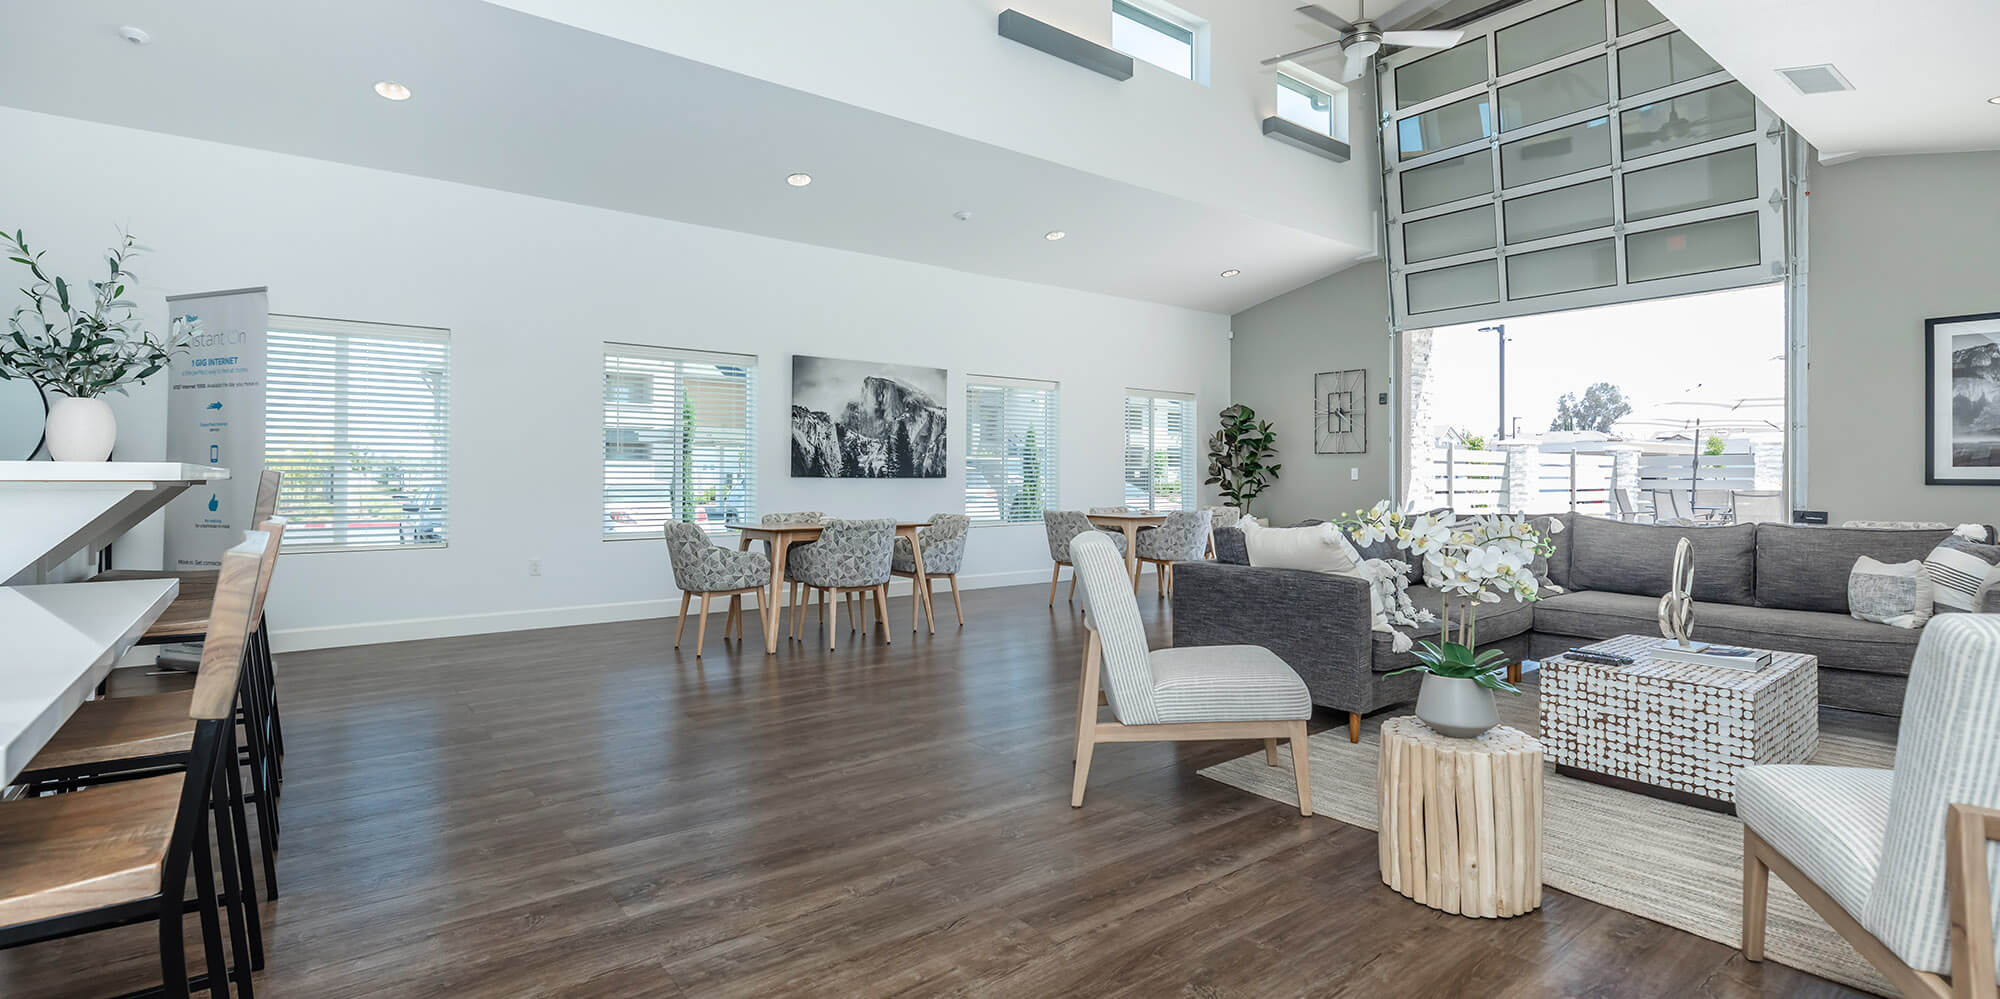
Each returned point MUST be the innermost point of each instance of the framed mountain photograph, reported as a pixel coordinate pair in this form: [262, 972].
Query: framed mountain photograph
[866, 420]
[1962, 400]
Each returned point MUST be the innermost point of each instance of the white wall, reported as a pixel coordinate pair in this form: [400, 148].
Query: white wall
[530, 289]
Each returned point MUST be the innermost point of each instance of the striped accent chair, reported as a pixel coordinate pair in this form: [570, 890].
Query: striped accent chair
[1175, 695]
[1900, 862]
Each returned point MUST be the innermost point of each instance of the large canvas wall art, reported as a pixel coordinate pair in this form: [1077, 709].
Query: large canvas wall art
[866, 420]
[1962, 397]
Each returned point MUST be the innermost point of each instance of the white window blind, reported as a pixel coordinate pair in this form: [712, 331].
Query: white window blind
[1010, 449]
[358, 417]
[1159, 451]
[680, 438]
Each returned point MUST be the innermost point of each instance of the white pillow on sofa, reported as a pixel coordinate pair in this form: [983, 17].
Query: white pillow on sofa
[1899, 595]
[1319, 548]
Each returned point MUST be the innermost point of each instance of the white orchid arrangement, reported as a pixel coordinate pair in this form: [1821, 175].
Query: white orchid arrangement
[1477, 560]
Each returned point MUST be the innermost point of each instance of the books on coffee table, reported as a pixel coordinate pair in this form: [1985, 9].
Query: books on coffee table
[1707, 654]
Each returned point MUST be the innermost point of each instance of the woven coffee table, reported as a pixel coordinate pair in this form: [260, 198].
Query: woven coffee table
[1674, 730]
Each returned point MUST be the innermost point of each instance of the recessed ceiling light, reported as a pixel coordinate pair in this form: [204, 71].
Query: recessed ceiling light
[1054, 234]
[1993, 100]
[136, 36]
[799, 179]
[962, 215]
[392, 90]
[1232, 272]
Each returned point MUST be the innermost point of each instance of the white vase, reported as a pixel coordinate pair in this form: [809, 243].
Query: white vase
[1456, 706]
[81, 429]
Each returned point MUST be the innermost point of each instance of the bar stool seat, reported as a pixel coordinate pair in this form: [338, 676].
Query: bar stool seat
[111, 729]
[76, 852]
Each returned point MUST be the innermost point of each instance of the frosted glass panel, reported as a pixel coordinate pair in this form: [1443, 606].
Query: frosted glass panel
[1685, 120]
[1717, 244]
[1715, 179]
[1565, 209]
[1448, 180]
[1435, 76]
[1552, 154]
[1555, 93]
[1459, 232]
[1476, 283]
[1565, 268]
[1636, 14]
[1665, 60]
[1558, 32]
[1442, 128]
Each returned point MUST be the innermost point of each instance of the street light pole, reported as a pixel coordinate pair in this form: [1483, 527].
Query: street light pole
[1501, 328]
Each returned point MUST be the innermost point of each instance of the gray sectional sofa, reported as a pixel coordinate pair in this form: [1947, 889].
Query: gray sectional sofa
[1763, 585]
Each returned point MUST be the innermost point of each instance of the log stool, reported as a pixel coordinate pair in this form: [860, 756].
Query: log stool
[1461, 819]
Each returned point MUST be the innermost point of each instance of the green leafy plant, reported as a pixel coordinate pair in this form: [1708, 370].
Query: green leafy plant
[1240, 456]
[1469, 440]
[1487, 669]
[1714, 445]
[84, 348]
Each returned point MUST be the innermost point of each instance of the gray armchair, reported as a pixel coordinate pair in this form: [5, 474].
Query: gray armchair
[1183, 538]
[851, 556]
[943, 545]
[1063, 527]
[700, 566]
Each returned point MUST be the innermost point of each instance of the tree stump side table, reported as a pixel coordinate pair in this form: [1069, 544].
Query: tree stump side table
[1461, 819]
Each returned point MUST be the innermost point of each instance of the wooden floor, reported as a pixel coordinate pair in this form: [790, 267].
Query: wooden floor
[588, 812]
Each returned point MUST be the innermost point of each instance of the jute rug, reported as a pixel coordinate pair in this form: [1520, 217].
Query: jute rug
[1673, 864]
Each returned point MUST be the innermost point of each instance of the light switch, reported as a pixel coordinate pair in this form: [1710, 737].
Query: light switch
[1353, 473]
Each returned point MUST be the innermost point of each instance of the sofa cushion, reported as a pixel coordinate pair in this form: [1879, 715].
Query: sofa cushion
[1805, 568]
[1840, 642]
[1505, 619]
[1319, 547]
[1639, 558]
[1229, 546]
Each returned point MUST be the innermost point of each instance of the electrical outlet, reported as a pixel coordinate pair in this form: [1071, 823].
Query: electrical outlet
[534, 567]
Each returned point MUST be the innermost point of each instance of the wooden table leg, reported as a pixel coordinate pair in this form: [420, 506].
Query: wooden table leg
[920, 596]
[770, 597]
[1132, 553]
[765, 613]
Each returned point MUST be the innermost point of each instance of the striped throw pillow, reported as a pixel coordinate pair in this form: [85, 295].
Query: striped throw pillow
[1960, 571]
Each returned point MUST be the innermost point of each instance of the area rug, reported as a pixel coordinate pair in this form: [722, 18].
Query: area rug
[1673, 864]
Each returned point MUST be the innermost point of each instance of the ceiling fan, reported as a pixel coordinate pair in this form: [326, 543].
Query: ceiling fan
[1365, 37]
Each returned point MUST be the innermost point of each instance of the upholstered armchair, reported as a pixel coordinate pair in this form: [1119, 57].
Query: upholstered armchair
[702, 567]
[1901, 861]
[1221, 518]
[943, 545]
[1184, 537]
[1063, 527]
[851, 556]
[1175, 695]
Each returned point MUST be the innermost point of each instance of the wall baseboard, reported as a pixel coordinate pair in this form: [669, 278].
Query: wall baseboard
[337, 636]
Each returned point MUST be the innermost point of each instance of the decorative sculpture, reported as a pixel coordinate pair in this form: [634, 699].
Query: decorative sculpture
[1677, 607]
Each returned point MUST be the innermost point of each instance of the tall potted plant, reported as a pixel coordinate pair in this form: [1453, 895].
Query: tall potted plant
[1474, 561]
[77, 349]
[1240, 456]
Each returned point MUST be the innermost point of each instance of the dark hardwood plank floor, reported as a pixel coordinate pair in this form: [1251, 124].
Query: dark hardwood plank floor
[589, 812]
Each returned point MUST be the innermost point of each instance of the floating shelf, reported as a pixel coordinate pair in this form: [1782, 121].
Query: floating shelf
[1065, 46]
[1294, 134]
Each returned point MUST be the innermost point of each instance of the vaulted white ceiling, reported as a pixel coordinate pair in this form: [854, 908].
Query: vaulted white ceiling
[1160, 183]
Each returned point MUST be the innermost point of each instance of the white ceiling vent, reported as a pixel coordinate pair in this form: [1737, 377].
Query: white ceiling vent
[1821, 79]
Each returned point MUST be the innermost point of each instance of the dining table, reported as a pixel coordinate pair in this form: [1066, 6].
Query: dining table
[782, 535]
[1130, 523]
[62, 641]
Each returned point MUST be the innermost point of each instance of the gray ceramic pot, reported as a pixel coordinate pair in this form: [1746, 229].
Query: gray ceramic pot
[1456, 707]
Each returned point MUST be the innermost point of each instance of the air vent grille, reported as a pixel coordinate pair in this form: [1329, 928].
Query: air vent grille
[1821, 79]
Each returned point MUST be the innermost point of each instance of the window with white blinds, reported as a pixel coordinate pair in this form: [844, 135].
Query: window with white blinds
[680, 438]
[358, 418]
[1010, 449]
[1159, 451]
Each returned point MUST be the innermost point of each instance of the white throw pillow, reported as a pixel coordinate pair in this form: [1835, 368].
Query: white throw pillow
[1896, 595]
[1319, 548]
[1963, 572]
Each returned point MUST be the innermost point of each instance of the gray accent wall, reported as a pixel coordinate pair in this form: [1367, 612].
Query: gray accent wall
[1894, 240]
[1335, 323]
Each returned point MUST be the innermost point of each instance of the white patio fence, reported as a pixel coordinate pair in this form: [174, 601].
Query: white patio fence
[1525, 480]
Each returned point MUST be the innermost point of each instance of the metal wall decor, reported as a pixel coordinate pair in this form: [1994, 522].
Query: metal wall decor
[1340, 412]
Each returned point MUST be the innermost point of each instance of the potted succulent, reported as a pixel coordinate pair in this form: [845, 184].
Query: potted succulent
[77, 348]
[1472, 561]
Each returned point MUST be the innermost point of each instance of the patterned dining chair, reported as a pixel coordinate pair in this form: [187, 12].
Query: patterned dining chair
[1184, 537]
[1176, 695]
[1063, 527]
[943, 545]
[702, 567]
[802, 517]
[851, 556]
[1899, 862]
[1220, 517]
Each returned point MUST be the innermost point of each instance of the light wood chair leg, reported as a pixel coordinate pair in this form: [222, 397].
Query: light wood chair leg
[1072, 585]
[1086, 722]
[1270, 752]
[1301, 767]
[1160, 579]
[801, 601]
[701, 630]
[681, 628]
[735, 613]
[955, 604]
[830, 628]
[1055, 576]
[882, 613]
[1756, 891]
[1353, 726]
[741, 613]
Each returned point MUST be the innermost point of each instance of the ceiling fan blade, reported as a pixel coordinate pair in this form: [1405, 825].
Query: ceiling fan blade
[1289, 56]
[1408, 12]
[1357, 64]
[1422, 39]
[1327, 17]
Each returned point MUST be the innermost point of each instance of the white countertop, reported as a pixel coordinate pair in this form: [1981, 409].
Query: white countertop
[108, 471]
[50, 510]
[62, 640]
